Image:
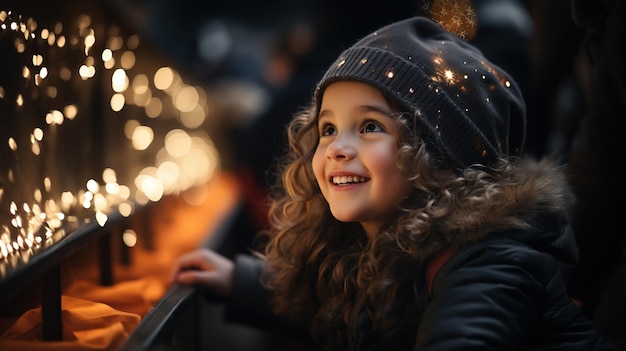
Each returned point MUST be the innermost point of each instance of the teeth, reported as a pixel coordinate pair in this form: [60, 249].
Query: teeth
[341, 180]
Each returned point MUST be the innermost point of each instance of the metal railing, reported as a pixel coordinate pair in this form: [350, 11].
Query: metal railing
[45, 267]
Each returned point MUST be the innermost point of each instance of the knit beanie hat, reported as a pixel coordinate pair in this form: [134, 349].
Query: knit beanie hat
[467, 110]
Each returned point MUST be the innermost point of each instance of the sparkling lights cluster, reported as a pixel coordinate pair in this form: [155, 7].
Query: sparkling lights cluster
[91, 123]
[456, 16]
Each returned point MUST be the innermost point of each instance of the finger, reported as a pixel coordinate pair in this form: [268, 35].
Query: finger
[200, 259]
[191, 277]
[194, 260]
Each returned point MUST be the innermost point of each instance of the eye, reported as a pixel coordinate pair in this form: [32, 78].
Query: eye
[327, 129]
[371, 126]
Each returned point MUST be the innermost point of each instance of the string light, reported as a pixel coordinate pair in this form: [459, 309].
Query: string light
[81, 87]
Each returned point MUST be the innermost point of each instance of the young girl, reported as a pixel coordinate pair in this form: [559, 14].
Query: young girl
[406, 217]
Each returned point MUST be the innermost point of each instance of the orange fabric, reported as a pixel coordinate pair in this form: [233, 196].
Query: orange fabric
[135, 296]
[87, 325]
[435, 264]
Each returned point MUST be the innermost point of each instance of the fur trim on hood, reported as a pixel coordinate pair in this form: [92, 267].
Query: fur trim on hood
[530, 202]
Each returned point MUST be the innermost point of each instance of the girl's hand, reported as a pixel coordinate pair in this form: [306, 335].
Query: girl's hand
[207, 268]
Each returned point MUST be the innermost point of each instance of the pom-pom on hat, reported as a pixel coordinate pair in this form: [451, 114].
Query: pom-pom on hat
[466, 109]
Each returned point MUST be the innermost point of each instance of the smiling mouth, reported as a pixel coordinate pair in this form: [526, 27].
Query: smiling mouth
[347, 180]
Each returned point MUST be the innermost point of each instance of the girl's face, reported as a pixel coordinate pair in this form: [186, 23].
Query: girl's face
[354, 161]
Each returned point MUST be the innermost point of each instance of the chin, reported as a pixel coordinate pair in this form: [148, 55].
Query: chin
[344, 218]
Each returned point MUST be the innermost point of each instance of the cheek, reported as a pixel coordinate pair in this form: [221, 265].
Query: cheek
[392, 184]
[381, 160]
[382, 165]
[318, 162]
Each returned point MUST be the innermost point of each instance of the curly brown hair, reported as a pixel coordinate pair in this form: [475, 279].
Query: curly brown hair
[321, 269]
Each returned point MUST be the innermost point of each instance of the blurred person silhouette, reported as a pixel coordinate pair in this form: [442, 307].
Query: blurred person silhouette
[556, 101]
[596, 158]
[405, 213]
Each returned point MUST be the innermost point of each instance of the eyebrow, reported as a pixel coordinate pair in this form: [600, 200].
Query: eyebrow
[378, 109]
[365, 109]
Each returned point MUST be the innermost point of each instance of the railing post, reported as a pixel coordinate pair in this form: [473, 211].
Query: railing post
[51, 320]
[105, 261]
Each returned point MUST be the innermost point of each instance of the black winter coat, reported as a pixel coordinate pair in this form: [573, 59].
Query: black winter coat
[498, 294]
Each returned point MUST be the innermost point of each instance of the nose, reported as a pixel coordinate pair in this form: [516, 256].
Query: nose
[341, 148]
